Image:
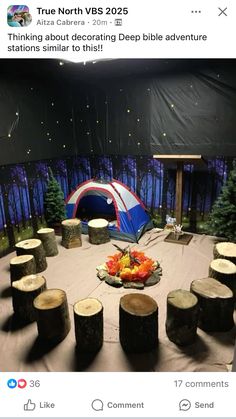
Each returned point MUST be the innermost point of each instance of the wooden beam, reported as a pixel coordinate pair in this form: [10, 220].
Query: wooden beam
[179, 192]
[184, 157]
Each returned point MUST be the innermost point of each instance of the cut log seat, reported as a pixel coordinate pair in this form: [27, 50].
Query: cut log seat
[98, 231]
[216, 305]
[88, 317]
[182, 317]
[52, 313]
[138, 323]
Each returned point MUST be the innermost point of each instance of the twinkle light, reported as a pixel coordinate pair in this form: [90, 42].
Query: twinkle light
[49, 139]
[41, 122]
[48, 133]
[9, 135]
[164, 134]
[97, 122]
[52, 103]
[87, 106]
[172, 105]
[57, 122]
[64, 146]
[138, 120]
[109, 141]
[61, 63]
[17, 113]
[130, 134]
[88, 133]
[138, 144]
[71, 119]
[128, 110]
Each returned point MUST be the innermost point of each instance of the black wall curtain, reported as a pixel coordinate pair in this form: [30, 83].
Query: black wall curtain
[182, 109]
[193, 113]
[22, 189]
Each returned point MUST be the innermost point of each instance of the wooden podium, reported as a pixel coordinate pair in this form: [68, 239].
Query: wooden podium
[178, 161]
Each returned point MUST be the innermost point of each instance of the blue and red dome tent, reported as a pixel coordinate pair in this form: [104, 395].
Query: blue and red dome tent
[113, 201]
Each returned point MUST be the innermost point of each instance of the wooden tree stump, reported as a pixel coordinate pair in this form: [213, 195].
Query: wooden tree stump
[216, 304]
[71, 233]
[21, 266]
[225, 250]
[24, 292]
[33, 247]
[48, 238]
[138, 323]
[53, 319]
[182, 317]
[224, 271]
[98, 231]
[88, 316]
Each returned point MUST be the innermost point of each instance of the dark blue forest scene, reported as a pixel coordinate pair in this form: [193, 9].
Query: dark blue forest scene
[22, 194]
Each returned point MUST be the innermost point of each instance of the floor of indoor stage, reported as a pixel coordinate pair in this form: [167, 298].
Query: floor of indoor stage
[74, 271]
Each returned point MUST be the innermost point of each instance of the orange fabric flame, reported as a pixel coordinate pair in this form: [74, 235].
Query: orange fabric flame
[131, 267]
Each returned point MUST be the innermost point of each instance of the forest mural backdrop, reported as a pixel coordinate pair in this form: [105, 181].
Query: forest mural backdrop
[22, 188]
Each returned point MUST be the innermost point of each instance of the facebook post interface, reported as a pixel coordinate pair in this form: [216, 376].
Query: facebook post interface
[104, 311]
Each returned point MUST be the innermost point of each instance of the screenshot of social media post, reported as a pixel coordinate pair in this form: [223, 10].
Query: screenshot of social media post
[117, 209]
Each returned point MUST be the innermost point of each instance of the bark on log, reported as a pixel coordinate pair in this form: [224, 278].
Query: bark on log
[52, 315]
[224, 271]
[98, 231]
[22, 266]
[24, 292]
[225, 250]
[138, 323]
[182, 317]
[33, 247]
[48, 238]
[88, 317]
[71, 233]
[216, 304]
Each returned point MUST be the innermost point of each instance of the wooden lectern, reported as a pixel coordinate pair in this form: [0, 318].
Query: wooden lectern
[179, 160]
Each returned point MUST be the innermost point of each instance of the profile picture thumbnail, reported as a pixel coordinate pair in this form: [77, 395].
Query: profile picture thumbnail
[18, 16]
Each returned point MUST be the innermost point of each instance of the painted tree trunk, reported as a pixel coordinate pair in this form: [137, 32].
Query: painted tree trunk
[138, 323]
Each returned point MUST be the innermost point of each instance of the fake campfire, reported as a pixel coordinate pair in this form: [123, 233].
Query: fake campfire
[129, 268]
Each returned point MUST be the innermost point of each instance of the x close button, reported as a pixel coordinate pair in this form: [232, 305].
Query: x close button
[222, 11]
